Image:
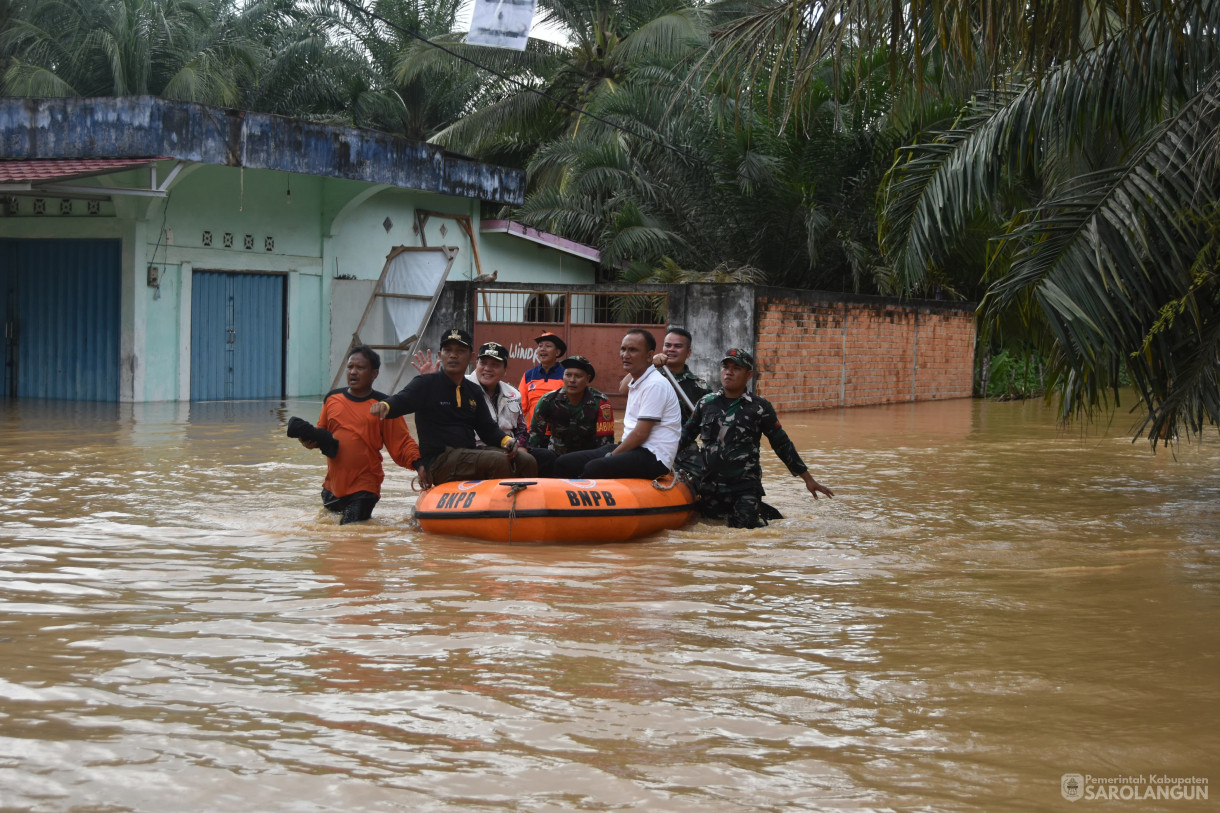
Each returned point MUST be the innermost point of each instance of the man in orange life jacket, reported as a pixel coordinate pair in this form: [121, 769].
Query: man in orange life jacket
[546, 376]
[353, 476]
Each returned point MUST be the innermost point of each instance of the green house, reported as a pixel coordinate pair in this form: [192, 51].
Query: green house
[153, 250]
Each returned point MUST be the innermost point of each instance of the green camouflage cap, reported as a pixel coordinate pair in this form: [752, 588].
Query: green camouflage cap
[739, 356]
[580, 363]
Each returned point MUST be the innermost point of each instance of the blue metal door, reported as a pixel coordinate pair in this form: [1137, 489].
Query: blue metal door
[62, 308]
[8, 316]
[237, 336]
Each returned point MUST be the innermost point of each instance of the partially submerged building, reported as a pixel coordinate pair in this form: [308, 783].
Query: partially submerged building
[153, 250]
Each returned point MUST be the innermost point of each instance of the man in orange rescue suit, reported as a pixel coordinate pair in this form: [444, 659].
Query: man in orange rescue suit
[449, 411]
[353, 476]
[545, 376]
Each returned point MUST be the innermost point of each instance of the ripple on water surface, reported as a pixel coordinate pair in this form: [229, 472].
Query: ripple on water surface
[989, 603]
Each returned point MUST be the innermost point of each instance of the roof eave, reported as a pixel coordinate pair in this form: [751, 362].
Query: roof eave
[144, 126]
[540, 237]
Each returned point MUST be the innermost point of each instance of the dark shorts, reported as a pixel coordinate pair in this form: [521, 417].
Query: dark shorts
[354, 507]
[480, 464]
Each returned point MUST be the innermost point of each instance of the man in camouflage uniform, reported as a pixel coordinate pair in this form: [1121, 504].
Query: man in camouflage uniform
[730, 424]
[574, 418]
[674, 353]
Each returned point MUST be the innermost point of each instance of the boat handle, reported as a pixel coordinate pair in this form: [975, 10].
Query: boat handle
[673, 481]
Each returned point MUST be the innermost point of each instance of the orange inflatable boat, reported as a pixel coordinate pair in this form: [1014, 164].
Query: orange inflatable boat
[552, 510]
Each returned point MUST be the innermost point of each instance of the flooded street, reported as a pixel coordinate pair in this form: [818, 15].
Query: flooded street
[989, 604]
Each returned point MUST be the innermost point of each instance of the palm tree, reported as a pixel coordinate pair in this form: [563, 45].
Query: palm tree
[607, 38]
[371, 89]
[302, 71]
[956, 44]
[1084, 151]
[708, 182]
[313, 60]
[171, 48]
[11, 13]
[1113, 240]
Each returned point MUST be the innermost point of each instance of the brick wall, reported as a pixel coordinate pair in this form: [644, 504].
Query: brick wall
[815, 349]
[848, 352]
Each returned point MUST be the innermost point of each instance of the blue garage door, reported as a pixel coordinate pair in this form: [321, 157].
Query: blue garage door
[61, 304]
[8, 316]
[237, 336]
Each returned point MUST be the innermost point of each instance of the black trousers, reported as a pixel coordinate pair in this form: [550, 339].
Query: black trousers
[546, 461]
[595, 464]
[354, 507]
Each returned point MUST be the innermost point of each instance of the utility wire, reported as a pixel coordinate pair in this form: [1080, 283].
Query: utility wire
[357, 9]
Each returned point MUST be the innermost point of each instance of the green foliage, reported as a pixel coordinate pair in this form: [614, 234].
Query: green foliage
[942, 47]
[714, 184]
[667, 271]
[1013, 374]
[1097, 178]
[194, 51]
[312, 59]
[551, 88]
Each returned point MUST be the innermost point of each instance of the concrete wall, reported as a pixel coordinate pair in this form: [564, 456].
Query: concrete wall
[142, 126]
[719, 317]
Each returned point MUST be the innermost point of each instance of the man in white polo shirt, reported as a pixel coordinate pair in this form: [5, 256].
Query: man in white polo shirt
[652, 423]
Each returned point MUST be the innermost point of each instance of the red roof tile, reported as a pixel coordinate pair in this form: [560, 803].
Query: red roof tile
[40, 171]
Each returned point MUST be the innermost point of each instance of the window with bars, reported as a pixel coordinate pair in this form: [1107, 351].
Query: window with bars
[578, 308]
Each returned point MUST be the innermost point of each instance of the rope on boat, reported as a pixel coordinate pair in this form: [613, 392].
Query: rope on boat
[515, 488]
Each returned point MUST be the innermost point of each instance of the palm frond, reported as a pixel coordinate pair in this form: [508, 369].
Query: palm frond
[35, 81]
[667, 37]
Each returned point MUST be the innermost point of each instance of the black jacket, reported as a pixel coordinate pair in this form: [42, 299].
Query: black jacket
[446, 414]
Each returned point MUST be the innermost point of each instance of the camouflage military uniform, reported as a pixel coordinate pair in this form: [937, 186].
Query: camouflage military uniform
[694, 387]
[730, 431]
[573, 427]
[688, 460]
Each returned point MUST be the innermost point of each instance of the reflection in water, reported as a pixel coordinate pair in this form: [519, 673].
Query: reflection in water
[990, 603]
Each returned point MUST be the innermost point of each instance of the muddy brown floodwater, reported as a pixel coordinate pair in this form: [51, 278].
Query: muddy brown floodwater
[991, 605]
